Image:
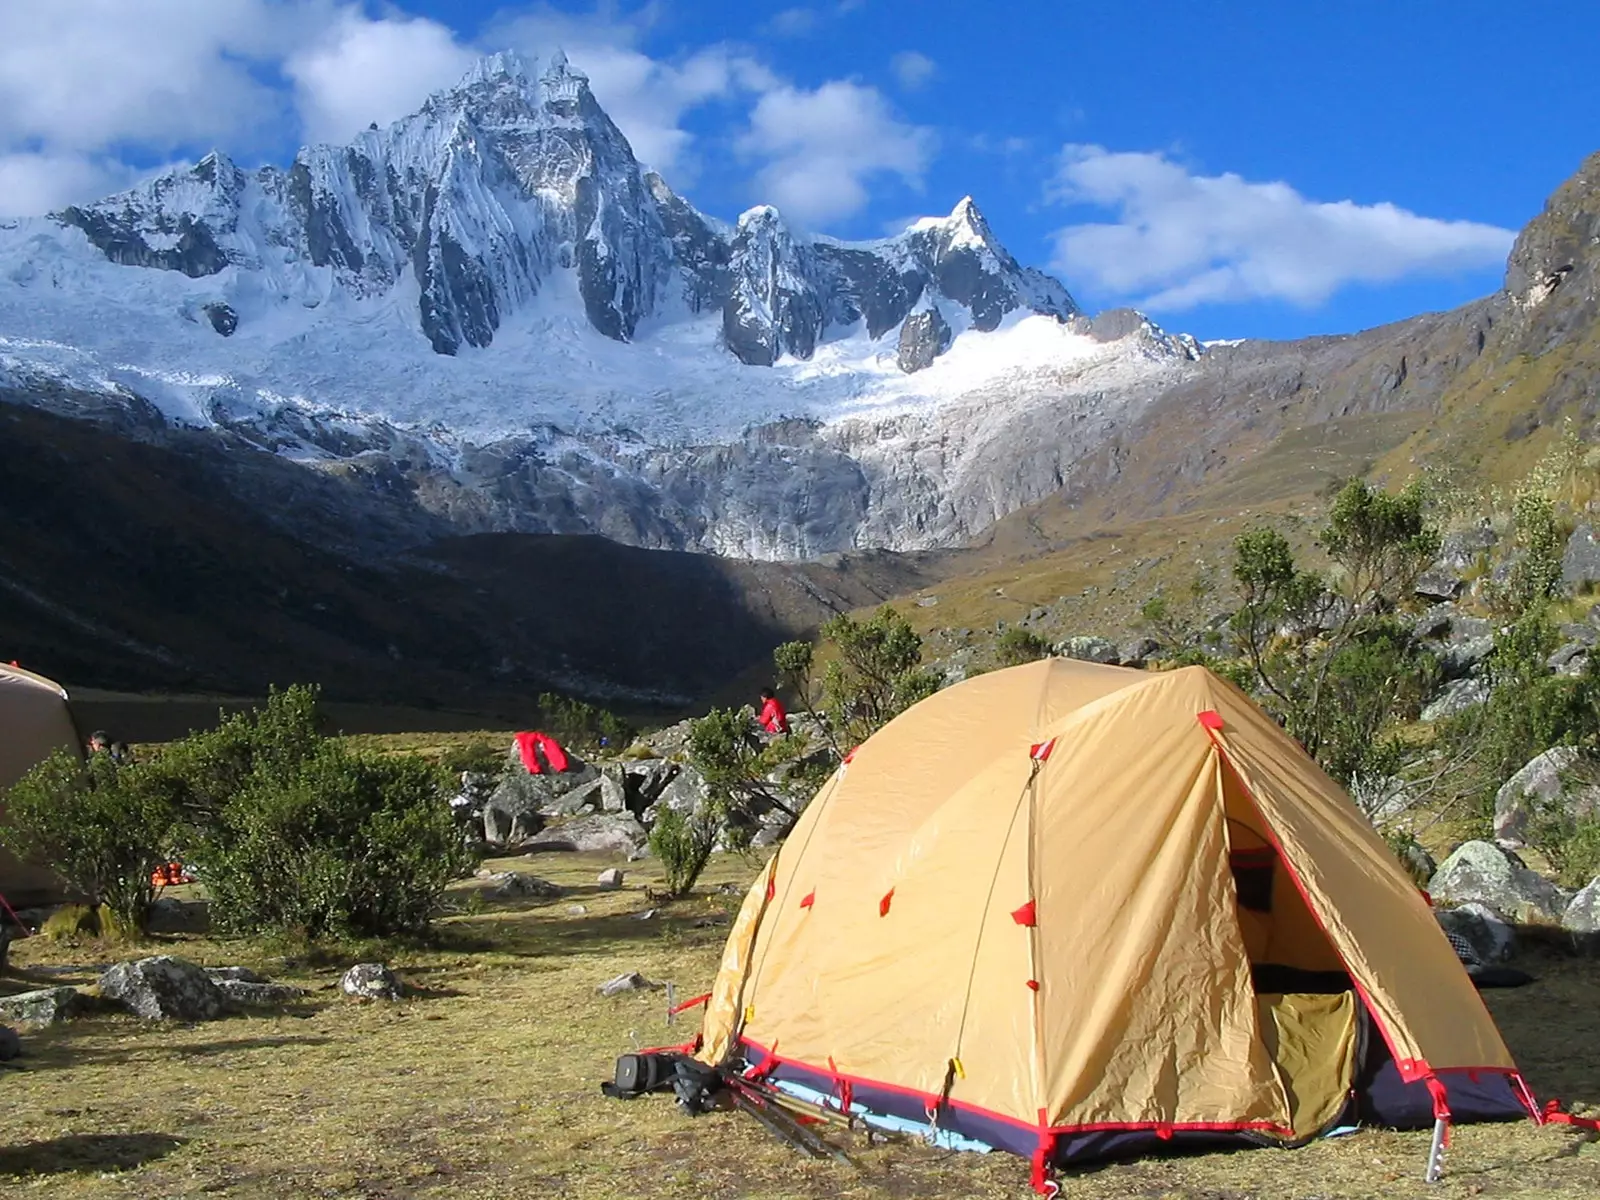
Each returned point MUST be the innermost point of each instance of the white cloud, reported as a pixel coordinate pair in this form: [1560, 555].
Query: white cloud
[362, 71]
[913, 69]
[1182, 239]
[34, 183]
[794, 22]
[822, 146]
[92, 73]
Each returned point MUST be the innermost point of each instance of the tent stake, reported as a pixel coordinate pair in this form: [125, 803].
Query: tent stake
[671, 1001]
[1436, 1153]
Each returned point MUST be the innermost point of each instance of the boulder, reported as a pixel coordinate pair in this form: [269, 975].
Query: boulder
[1580, 563]
[1381, 799]
[1418, 862]
[1461, 550]
[1490, 939]
[1439, 583]
[630, 981]
[613, 789]
[608, 833]
[45, 1006]
[371, 981]
[1434, 624]
[248, 993]
[1460, 656]
[1583, 912]
[1138, 652]
[233, 974]
[1570, 659]
[163, 988]
[1089, 649]
[514, 885]
[1458, 696]
[517, 808]
[685, 793]
[1581, 632]
[1483, 873]
[503, 828]
[673, 741]
[1544, 781]
[610, 879]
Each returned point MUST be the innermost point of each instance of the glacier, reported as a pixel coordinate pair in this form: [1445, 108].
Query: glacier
[497, 280]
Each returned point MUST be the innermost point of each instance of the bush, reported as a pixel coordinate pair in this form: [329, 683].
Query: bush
[102, 827]
[581, 725]
[479, 756]
[203, 772]
[1017, 646]
[684, 845]
[336, 844]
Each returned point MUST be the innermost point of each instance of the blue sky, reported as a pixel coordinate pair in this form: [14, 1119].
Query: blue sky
[1260, 169]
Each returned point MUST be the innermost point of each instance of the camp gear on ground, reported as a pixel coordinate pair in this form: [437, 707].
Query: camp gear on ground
[541, 753]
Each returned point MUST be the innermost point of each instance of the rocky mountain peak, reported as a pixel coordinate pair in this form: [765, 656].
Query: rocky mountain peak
[517, 178]
[1558, 253]
[506, 65]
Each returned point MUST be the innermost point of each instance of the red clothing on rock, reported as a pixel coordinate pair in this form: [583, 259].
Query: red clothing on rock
[773, 719]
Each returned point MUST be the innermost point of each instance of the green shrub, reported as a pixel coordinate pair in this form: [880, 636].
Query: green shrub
[684, 845]
[479, 756]
[1017, 646]
[581, 725]
[204, 771]
[1570, 844]
[102, 827]
[336, 844]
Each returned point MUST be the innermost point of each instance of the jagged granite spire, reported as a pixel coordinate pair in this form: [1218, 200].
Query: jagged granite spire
[497, 185]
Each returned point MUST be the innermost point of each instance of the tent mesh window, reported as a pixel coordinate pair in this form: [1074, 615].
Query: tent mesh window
[1252, 877]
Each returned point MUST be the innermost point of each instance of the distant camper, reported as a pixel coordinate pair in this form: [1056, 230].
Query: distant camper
[773, 718]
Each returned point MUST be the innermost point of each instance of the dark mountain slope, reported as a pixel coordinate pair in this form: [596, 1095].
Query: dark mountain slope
[134, 566]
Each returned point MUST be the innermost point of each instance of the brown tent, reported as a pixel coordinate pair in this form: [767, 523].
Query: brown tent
[34, 722]
[1074, 910]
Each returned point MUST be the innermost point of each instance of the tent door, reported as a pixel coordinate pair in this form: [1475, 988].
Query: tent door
[1311, 1039]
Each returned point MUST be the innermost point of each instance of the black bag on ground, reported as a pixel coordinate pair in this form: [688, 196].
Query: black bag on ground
[697, 1086]
[638, 1074]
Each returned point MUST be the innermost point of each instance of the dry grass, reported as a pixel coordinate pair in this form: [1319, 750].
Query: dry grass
[485, 1084]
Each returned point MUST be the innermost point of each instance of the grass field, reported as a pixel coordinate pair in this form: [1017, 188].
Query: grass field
[485, 1083]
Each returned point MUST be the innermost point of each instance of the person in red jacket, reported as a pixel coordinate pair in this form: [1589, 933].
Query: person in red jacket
[773, 718]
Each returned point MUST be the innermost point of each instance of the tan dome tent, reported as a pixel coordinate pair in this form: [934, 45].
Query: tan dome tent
[1072, 910]
[34, 722]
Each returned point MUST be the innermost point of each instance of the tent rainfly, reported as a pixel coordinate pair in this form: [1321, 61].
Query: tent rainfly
[35, 721]
[1075, 911]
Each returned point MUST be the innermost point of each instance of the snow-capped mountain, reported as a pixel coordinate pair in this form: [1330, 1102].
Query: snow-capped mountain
[497, 274]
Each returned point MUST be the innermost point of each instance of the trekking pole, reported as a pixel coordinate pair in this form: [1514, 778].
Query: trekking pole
[672, 1008]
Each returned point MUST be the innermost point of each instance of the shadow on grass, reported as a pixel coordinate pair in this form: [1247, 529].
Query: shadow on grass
[1552, 1026]
[86, 1152]
[64, 1052]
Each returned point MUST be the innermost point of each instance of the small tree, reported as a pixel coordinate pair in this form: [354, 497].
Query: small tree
[1017, 646]
[1326, 654]
[684, 844]
[582, 725]
[102, 827]
[876, 675]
